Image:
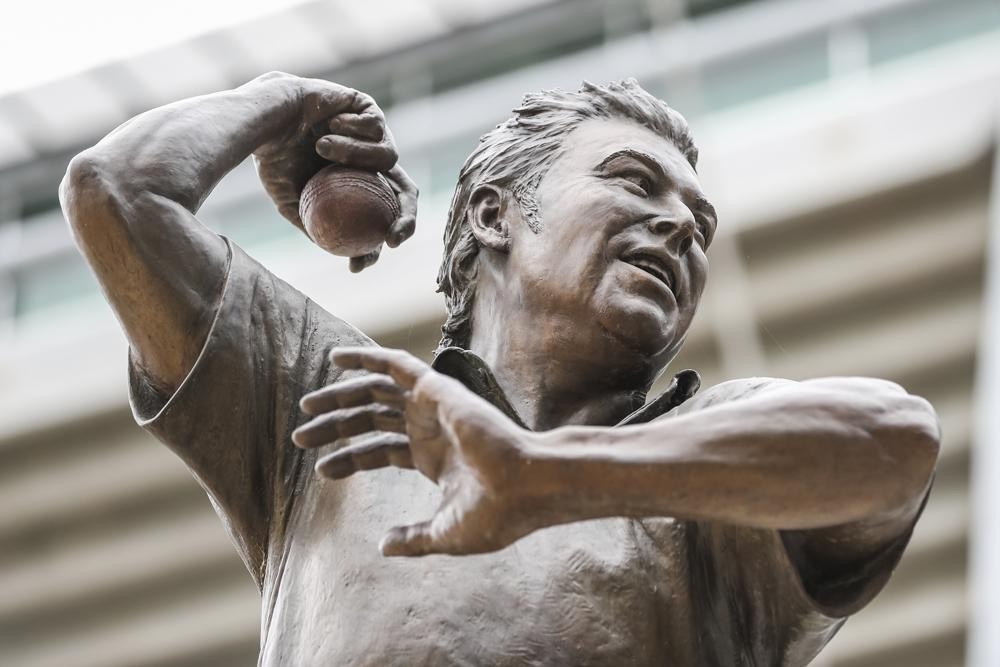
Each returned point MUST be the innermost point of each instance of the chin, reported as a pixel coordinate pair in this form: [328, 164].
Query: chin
[641, 327]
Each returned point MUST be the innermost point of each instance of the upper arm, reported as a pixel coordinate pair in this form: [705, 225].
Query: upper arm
[161, 270]
[843, 566]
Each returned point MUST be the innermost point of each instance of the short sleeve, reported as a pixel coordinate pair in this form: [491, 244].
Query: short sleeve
[780, 595]
[843, 588]
[230, 420]
[750, 605]
[772, 608]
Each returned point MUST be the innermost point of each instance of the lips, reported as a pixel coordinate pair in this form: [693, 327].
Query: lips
[656, 266]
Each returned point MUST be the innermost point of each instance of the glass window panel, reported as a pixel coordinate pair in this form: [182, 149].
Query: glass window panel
[52, 282]
[252, 221]
[446, 160]
[920, 26]
[699, 7]
[765, 72]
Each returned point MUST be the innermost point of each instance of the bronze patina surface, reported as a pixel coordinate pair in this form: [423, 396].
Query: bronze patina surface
[558, 520]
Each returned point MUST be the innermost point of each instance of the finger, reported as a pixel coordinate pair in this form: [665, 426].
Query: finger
[360, 126]
[406, 193]
[332, 100]
[381, 451]
[362, 262]
[348, 422]
[360, 153]
[365, 104]
[404, 368]
[413, 540]
[374, 388]
[290, 212]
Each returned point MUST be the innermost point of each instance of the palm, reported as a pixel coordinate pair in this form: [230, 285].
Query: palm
[471, 455]
[437, 426]
[285, 163]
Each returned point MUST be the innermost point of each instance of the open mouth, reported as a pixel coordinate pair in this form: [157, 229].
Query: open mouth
[654, 266]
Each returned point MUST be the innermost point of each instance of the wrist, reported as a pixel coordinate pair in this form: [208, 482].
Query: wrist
[275, 99]
[277, 85]
[544, 467]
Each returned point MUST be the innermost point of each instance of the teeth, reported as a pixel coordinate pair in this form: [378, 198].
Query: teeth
[651, 268]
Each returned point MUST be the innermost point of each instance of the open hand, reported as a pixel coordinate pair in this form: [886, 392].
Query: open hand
[418, 418]
[329, 123]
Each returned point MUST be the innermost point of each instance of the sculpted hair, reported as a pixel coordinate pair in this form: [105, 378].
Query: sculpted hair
[515, 156]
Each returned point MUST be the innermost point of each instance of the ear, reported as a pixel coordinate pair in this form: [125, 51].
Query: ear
[488, 218]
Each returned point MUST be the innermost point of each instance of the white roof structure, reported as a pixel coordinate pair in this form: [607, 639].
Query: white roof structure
[305, 38]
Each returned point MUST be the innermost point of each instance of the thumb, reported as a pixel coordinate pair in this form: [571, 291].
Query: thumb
[413, 540]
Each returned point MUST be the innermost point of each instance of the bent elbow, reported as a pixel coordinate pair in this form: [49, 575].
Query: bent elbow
[909, 434]
[91, 198]
[85, 177]
[902, 428]
[911, 418]
[922, 434]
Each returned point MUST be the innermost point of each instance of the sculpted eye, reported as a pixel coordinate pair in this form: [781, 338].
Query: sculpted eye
[637, 183]
[704, 231]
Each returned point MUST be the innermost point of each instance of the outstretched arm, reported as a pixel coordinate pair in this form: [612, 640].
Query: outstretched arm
[809, 456]
[131, 199]
[791, 455]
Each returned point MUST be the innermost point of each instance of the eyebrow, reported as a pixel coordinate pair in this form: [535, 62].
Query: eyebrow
[706, 207]
[701, 203]
[645, 158]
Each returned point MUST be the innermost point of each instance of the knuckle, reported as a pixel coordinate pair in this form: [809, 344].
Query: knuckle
[325, 421]
[365, 101]
[385, 411]
[275, 74]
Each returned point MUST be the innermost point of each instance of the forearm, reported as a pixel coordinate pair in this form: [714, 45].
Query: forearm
[796, 457]
[182, 150]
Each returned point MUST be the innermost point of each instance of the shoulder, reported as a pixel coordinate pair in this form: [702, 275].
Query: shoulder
[881, 394]
[731, 390]
[263, 302]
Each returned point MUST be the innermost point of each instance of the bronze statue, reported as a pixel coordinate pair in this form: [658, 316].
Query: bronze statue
[580, 524]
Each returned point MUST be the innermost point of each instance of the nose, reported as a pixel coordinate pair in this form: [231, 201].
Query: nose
[677, 229]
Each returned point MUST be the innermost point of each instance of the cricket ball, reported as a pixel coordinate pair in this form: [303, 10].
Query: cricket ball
[348, 212]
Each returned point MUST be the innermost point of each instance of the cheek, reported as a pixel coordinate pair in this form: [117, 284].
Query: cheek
[583, 222]
[572, 236]
[699, 275]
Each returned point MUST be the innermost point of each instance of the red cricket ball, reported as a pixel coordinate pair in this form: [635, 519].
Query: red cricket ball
[347, 211]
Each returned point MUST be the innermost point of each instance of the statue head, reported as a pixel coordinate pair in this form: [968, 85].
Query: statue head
[621, 164]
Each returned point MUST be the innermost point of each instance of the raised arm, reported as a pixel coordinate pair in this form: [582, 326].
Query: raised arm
[131, 199]
[830, 457]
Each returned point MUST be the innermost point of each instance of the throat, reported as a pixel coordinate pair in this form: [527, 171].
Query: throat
[547, 395]
[554, 368]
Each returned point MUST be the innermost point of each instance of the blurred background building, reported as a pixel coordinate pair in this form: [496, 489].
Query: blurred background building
[849, 148]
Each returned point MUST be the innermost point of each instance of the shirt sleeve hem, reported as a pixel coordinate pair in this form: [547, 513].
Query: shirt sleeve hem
[845, 595]
[149, 405]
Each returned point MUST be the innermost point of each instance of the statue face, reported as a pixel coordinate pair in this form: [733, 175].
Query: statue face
[621, 252]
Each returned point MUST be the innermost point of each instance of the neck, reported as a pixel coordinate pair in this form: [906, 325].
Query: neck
[553, 379]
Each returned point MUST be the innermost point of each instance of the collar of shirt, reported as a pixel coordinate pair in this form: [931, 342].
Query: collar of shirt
[469, 369]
